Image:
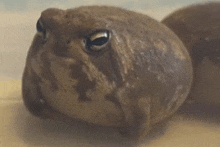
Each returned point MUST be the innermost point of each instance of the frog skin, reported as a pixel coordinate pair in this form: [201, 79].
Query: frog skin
[106, 66]
[198, 26]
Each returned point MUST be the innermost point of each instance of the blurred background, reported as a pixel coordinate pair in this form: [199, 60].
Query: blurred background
[18, 18]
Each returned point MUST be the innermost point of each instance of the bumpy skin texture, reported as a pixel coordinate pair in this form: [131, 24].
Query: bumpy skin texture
[140, 76]
[198, 26]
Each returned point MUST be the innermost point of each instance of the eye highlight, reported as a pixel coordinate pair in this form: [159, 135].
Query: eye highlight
[97, 41]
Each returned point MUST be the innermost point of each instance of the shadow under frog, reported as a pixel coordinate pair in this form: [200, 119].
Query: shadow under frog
[37, 132]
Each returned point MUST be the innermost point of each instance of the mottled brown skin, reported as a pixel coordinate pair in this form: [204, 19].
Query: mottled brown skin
[198, 26]
[140, 76]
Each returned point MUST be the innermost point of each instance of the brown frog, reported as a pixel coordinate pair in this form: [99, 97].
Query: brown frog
[198, 26]
[106, 66]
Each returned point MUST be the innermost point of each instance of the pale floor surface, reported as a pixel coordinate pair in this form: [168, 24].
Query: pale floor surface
[194, 126]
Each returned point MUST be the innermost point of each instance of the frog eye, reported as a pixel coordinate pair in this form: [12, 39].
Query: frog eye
[97, 41]
[40, 29]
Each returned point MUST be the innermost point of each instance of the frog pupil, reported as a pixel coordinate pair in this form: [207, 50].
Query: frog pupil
[97, 42]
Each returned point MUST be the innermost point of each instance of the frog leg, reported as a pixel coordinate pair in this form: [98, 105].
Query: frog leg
[136, 117]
